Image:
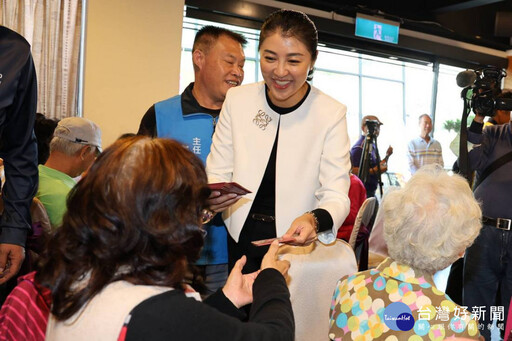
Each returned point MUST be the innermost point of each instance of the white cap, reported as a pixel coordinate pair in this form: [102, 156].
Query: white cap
[79, 130]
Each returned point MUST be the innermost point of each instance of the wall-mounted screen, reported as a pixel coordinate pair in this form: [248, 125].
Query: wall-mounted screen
[377, 28]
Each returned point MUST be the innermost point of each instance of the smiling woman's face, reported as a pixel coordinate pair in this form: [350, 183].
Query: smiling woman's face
[285, 63]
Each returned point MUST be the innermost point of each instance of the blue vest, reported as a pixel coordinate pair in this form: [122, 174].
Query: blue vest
[195, 132]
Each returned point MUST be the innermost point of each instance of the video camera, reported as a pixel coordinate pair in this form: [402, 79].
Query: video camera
[371, 126]
[481, 93]
[485, 86]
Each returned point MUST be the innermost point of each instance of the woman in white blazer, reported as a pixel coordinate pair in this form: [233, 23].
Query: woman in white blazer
[285, 141]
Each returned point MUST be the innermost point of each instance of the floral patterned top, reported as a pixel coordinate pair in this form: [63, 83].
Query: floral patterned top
[396, 302]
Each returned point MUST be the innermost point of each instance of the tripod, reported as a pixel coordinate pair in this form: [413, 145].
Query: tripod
[370, 143]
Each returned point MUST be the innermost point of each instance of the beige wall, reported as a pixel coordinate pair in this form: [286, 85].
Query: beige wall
[508, 79]
[132, 60]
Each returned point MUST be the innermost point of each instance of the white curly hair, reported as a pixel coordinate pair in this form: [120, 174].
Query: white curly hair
[431, 220]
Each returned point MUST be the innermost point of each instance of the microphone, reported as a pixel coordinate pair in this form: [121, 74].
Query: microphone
[466, 78]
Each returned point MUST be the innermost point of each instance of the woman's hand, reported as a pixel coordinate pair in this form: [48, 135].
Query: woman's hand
[270, 260]
[218, 203]
[238, 287]
[303, 230]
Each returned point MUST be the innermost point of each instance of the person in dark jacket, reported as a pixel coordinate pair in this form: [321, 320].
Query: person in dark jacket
[488, 262]
[18, 149]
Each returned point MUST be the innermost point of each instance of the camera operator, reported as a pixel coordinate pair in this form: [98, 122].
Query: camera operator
[488, 262]
[500, 116]
[356, 154]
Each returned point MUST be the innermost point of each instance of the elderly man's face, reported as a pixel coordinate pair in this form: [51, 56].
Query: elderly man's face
[425, 126]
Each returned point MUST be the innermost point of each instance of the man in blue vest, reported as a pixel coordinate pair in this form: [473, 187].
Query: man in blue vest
[218, 58]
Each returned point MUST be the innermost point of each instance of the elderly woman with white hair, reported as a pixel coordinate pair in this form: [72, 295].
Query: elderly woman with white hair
[428, 224]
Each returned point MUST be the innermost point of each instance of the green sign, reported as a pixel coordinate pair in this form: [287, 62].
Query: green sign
[377, 29]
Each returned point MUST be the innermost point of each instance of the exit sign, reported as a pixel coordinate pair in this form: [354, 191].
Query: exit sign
[377, 28]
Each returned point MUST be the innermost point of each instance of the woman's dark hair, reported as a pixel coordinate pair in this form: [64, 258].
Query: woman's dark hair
[135, 216]
[43, 129]
[295, 24]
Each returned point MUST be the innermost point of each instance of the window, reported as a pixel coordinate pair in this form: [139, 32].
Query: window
[449, 108]
[344, 88]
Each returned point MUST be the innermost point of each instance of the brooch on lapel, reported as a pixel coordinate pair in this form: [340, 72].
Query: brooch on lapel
[261, 120]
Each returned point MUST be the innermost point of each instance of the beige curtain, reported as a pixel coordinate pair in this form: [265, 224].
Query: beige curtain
[52, 27]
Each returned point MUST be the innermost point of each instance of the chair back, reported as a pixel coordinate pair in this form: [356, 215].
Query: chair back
[364, 216]
[314, 272]
[39, 215]
[377, 243]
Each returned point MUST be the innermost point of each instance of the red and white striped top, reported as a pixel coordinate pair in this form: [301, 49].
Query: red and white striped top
[24, 315]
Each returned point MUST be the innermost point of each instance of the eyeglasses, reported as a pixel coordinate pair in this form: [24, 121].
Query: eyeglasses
[203, 232]
[206, 216]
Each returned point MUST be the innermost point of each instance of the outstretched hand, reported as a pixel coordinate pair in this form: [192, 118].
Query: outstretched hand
[238, 287]
[270, 260]
[302, 230]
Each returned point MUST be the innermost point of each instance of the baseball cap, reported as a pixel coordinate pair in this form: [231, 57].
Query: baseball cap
[79, 130]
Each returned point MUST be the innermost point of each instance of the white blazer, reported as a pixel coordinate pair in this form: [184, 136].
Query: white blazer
[312, 163]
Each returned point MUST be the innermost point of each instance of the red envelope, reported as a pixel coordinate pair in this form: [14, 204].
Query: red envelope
[270, 240]
[228, 187]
